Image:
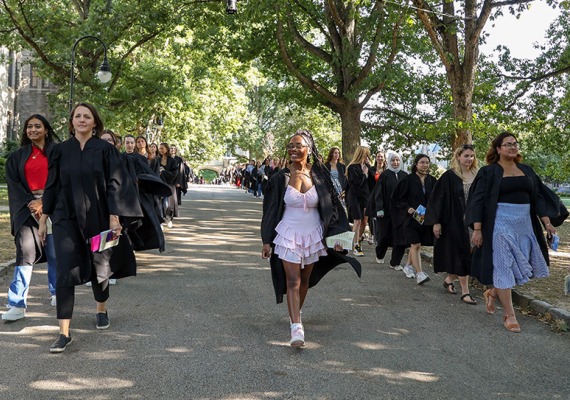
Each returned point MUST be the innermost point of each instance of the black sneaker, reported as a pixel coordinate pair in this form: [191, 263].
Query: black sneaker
[102, 320]
[60, 344]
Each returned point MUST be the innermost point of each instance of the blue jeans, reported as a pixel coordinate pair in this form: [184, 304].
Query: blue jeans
[18, 291]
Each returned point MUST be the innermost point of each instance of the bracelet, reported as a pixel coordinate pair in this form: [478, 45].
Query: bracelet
[547, 224]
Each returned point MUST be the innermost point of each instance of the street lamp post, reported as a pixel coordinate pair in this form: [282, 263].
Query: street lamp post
[104, 73]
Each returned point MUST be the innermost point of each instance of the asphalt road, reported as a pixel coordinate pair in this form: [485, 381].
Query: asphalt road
[200, 322]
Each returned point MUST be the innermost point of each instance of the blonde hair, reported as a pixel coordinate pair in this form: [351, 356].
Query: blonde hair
[455, 163]
[361, 152]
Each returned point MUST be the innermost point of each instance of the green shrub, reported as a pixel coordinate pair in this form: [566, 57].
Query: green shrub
[2, 170]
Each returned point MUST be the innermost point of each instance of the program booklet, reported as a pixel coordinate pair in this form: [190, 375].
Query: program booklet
[420, 214]
[345, 239]
[104, 240]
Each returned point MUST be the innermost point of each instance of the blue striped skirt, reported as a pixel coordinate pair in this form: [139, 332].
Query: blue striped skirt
[516, 254]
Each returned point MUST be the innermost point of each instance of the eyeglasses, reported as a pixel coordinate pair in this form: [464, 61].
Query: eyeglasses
[509, 145]
[468, 147]
[296, 146]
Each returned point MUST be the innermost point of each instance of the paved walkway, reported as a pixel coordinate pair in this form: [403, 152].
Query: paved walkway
[200, 322]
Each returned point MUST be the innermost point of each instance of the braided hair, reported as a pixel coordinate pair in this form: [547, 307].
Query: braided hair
[318, 168]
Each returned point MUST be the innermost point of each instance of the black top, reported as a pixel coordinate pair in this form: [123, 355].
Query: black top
[515, 190]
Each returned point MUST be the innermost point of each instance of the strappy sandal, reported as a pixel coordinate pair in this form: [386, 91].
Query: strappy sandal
[449, 287]
[489, 301]
[514, 327]
[471, 300]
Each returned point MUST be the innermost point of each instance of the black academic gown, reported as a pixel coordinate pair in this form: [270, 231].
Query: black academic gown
[446, 206]
[19, 195]
[334, 222]
[84, 188]
[147, 233]
[409, 193]
[358, 192]
[384, 231]
[482, 207]
[169, 175]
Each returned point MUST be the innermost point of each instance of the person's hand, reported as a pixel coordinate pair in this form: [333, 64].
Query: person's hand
[266, 251]
[35, 207]
[338, 247]
[42, 230]
[411, 210]
[437, 230]
[550, 230]
[477, 238]
[115, 225]
[365, 169]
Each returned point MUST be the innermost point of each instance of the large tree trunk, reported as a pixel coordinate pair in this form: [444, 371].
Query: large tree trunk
[462, 111]
[351, 129]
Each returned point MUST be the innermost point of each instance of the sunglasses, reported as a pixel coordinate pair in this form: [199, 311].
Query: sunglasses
[468, 147]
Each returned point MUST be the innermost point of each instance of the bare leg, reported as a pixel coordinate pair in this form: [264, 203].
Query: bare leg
[356, 230]
[293, 280]
[506, 299]
[305, 275]
[464, 282]
[101, 307]
[415, 256]
[64, 326]
[363, 223]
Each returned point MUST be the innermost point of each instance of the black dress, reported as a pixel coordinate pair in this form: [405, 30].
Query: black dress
[410, 192]
[446, 206]
[84, 188]
[358, 192]
[334, 222]
[385, 232]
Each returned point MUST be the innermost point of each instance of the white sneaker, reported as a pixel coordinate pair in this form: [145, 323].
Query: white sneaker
[88, 284]
[409, 271]
[169, 224]
[112, 281]
[14, 314]
[397, 268]
[53, 301]
[422, 278]
[297, 335]
[379, 260]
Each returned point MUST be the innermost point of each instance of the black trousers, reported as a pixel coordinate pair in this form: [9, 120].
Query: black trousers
[66, 296]
[397, 252]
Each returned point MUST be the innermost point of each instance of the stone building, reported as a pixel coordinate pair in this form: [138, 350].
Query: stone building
[22, 93]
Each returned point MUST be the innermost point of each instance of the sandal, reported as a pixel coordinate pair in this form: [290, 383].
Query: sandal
[449, 287]
[489, 301]
[514, 327]
[470, 301]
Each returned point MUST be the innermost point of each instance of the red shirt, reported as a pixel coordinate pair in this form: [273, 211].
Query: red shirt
[36, 169]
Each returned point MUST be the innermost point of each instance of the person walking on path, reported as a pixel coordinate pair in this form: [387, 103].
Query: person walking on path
[410, 196]
[385, 234]
[446, 212]
[301, 209]
[26, 176]
[507, 204]
[87, 191]
[358, 192]
[168, 170]
[337, 170]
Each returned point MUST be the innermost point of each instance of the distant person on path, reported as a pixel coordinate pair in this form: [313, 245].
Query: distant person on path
[386, 234]
[142, 146]
[168, 172]
[152, 152]
[87, 191]
[182, 176]
[358, 192]
[373, 177]
[507, 204]
[338, 171]
[410, 195]
[301, 209]
[26, 177]
[446, 213]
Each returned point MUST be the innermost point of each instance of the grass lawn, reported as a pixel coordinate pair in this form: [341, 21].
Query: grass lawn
[7, 247]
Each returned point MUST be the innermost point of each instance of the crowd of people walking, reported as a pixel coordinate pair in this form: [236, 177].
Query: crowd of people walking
[84, 206]
[504, 202]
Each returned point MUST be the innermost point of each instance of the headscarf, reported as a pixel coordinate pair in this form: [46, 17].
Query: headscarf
[389, 155]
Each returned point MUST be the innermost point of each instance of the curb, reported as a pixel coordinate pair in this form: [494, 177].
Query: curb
[527, 301]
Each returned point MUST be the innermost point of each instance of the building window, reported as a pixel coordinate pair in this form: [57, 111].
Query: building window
[34, 79]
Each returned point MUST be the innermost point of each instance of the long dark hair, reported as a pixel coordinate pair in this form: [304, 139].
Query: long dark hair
[98, 122]
[50, 134]
[493, 155]
[416, 160]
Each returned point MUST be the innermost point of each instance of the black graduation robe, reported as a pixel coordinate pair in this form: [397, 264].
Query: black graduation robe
[334, 222]
[381, 200]
[409, 193]
[84, 188]
[446, 206]
[147, 233]
[168, 174]
[482, 207]
[19, 196]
